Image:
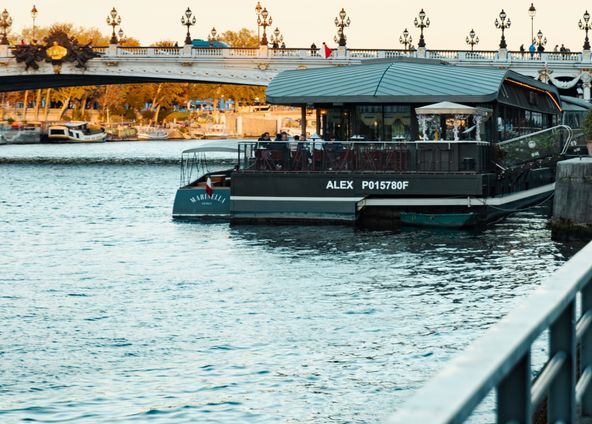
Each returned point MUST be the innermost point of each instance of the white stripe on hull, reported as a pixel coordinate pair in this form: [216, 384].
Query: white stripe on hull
[432, 201]
[297, 199]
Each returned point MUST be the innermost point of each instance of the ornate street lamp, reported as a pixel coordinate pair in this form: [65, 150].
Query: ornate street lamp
[188, 20]
[406, 39]
[264, 21]
[586, 26]
[113, 20]
[540, 42]
[503, 25]
[258, 9]
[421, 25]
[341, 22]
[120, 34]
[5, 24]
[34, 16]
[472, 39]
[276, 39]
[213, 35]
[531, 13]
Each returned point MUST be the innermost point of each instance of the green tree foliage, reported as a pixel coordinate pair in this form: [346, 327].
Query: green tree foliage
[243, 38]
[587, 127]
[83, 35]
[163, 43]
[130, 99]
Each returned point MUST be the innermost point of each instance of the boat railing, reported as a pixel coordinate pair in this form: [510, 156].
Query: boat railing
[501, 360]
[192, 166]
[547, 144]
[577, 145]
[364, 156]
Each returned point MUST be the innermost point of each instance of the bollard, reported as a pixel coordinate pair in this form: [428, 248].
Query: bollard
[572, 208]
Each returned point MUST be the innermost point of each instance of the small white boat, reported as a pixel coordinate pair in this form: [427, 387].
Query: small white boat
[75, 132]
[151, 133]
[216, 132]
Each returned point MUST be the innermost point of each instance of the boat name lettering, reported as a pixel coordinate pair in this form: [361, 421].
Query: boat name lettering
[204, 197]
[385, 185]
[339, 185]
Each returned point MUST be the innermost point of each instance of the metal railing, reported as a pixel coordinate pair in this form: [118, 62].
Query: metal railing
[375, 156]
[501, 359]
[549, 143]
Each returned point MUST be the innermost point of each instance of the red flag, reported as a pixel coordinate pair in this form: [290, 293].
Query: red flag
[327, 52]
[209, 189]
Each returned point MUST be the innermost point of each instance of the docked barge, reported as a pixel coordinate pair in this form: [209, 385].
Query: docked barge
[402, 142]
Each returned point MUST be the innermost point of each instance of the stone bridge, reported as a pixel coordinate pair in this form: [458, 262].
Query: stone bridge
[569, 71]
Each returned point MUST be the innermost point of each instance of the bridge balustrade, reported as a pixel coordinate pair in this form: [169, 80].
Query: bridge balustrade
[132, 51]
[354, 54]
[244, 51]
[501, 359]
[167, 51]
[399, 53]
[210, 52]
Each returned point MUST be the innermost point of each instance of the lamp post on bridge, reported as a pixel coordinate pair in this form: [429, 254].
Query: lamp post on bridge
[406, 39]
[503, 25]
[531, 13]
[213, 36]
[5, 24]
[264, 21]
[34, 16]
[421, 25]
[276, 39]
[114, 19]
[188, 20]
[540, 42]
[258, 9]
[120, 35]
[586, 26]
[341, 22]
[472, 39]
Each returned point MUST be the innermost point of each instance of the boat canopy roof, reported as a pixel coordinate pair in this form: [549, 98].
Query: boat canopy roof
[449, 108]
[574, 104]
[400, 82]
[215, 146]
[75, 124]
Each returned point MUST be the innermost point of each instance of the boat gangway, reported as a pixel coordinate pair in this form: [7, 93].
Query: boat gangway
[501, 360]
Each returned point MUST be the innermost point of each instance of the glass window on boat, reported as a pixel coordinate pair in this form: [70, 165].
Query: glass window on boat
[337, 124]
[514, 122]
[369, 122]
[397, 122]
[574, 119]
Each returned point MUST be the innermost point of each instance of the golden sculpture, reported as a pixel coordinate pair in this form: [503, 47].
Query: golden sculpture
[56, 52]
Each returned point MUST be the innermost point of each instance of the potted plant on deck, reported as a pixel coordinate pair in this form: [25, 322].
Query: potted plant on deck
[587, 128]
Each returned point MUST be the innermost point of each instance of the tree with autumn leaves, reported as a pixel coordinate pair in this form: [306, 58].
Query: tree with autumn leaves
[129, 100]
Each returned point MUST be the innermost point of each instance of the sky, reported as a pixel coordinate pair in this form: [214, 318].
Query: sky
[374, 23]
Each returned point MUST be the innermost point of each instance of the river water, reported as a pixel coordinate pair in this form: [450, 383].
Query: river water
[110, 311]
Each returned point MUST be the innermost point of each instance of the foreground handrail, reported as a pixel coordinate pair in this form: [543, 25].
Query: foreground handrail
[500, 359]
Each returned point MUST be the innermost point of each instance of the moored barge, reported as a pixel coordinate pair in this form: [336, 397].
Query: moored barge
[408, 142]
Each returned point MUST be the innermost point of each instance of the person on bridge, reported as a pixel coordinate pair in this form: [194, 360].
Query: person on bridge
[532, 49]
